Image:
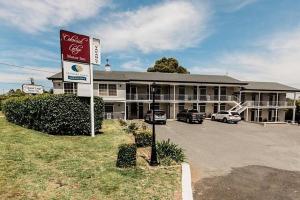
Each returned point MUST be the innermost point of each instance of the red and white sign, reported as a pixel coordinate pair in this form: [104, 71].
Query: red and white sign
[75, 47]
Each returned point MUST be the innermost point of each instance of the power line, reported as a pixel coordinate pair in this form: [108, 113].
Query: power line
[23, 67]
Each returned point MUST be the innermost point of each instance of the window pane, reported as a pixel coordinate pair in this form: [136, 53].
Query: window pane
[112, 90]
[102, 90]
[70, 88]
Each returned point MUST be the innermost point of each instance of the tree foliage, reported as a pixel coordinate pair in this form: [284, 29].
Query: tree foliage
[167, 65]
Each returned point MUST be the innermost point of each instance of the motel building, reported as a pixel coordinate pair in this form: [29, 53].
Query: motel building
[128, 94]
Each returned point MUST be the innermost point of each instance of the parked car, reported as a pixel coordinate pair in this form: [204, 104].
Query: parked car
[226, 117]
[190, 116]
[160, 116]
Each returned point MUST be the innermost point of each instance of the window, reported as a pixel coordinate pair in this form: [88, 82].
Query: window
[215, 107]
[195, 106]
[181, 106]
[202, 107]
[107, 90]
[156, 106]
[112, 90]
[222, 107]
[109, 108]
[102, 90]
[70, 88]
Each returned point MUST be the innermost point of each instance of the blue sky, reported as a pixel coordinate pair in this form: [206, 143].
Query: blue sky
[247, 39]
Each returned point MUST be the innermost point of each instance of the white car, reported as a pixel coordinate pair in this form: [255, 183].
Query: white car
[160, 117]
[226, 116]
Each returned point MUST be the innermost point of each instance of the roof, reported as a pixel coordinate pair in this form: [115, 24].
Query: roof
[268, 86]
[159, 77]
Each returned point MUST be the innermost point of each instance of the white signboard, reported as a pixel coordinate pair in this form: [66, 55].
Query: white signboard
[32, 89]
[96, 57]
[83, 90]
[76, 72]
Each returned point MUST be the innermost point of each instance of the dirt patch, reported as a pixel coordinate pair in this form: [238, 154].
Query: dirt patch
[252, 183]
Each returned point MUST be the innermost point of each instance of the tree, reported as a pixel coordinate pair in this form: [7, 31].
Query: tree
[167, 65]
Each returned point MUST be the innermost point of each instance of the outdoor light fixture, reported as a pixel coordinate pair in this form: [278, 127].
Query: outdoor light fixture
[153, 160]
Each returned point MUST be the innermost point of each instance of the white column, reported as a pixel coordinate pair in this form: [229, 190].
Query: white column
[174, 110]
[258, 107]
[174, 98]
[276, 109]
[247, 113]
[219, 98]
[125, 104]
[149, 94]
[198, 97]
[174, 92]
[294, 109]
[240, 97]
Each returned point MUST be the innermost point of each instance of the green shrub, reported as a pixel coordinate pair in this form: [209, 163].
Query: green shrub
[122, 122]
[143, 139]
[54, 114]
[168, 153]
[132, 128]
[126, 156]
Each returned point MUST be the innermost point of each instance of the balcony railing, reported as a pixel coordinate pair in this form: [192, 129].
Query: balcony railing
[186, 97]
[146, 97]
[269, 104]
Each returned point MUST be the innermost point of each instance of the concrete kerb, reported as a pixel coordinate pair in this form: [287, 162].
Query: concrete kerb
[187, 192]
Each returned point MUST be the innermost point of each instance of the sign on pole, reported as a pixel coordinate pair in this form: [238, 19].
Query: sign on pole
[96, 57]
[32, 89]
[75, 47]
[78, 54]
[76, 72]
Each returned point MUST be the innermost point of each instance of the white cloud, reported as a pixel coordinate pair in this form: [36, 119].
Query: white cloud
[22, 75]
[39, 15]
[133, 65]
[275, 58]
[233, 5]
[168, 25]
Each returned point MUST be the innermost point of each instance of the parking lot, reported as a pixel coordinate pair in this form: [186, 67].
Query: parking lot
[242, 158]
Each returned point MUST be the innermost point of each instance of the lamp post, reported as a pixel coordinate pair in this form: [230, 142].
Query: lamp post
[153, 160]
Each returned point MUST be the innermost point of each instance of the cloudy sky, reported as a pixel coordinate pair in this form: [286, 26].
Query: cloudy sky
[247, 39]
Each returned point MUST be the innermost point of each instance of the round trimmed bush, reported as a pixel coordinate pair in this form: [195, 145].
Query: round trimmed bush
[54, 114]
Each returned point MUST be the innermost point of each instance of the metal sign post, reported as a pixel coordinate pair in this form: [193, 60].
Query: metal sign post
[92, 92]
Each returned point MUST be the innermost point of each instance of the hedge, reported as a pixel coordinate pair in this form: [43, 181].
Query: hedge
[126, 156]
[143, 139]
[54, 114]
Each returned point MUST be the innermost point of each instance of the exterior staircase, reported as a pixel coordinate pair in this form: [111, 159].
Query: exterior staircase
[239, 107]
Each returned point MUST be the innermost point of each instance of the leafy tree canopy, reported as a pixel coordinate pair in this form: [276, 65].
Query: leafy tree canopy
[167, 65]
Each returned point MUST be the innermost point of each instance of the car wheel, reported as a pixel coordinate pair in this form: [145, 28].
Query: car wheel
[164, 123]
[189, 120]
[236, 122]
[200, 122]
[213, 118]
[225, 120]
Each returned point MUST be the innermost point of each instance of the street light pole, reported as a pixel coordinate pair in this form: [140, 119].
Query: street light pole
[153, 160]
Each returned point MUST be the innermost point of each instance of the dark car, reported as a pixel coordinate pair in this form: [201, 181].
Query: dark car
[190, 116]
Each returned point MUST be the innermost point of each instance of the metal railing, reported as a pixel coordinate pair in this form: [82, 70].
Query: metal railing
[186, 97]
[182, 97]
[269, 104]
[149, 97]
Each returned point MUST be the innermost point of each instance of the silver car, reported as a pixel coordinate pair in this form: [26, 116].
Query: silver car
[160, 116]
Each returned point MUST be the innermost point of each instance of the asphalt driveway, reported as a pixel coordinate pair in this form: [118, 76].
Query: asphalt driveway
[243, 159]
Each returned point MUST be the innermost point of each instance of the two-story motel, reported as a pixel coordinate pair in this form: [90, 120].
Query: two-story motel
[128, 94]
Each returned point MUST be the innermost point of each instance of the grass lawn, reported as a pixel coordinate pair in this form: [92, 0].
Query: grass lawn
[34, 165]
